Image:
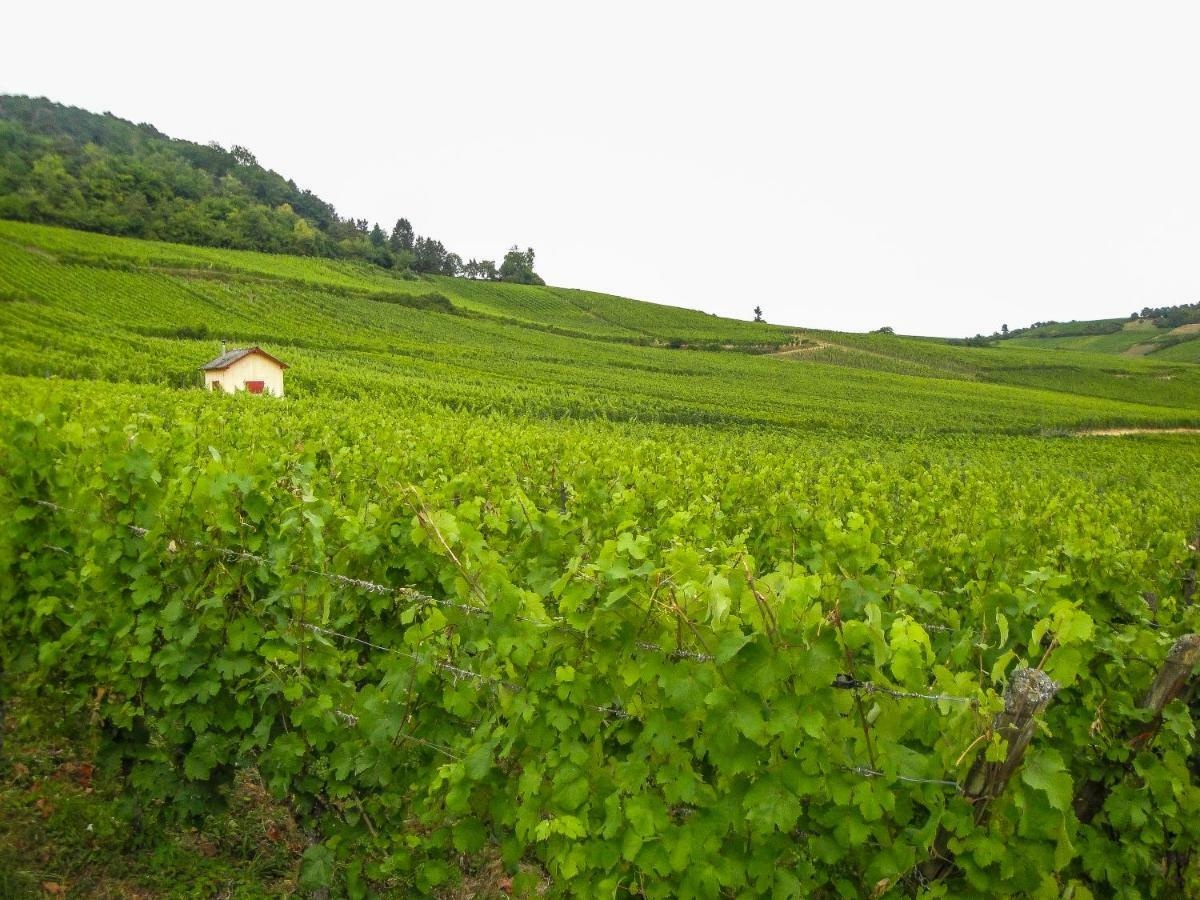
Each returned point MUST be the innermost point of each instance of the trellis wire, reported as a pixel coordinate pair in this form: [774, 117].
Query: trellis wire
[405, 591]
[351, 720]
[676, 654]
[420, 596]
[847, 683]
[371, 586]
[872, 688]
[456, 671]
[866, 772]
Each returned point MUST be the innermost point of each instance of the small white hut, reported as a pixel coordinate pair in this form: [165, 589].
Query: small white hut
[248, 369]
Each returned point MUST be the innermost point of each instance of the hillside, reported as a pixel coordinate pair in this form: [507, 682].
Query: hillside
[1169, 333]
[88, 306]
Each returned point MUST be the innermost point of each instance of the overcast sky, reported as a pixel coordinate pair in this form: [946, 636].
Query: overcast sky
[938, 167]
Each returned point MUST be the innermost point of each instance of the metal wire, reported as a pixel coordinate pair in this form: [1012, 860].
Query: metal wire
[361, 584]
[350, 721]
[848, 683]
[871, 688]
[875, 773]
[675, 654]
[445, 751]
[454, 670]
[416, 595]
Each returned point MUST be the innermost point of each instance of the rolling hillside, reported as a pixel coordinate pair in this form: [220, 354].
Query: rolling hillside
[87, 306]
[1176, 339]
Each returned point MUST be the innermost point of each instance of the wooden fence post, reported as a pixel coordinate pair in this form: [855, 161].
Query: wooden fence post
[1172, 678]
[1029, 693]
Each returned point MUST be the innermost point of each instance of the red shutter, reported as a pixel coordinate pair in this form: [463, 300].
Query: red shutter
[254, 387]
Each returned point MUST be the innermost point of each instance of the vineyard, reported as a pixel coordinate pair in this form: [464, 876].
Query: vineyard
[508, 576]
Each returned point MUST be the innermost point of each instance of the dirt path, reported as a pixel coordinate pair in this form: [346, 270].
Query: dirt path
[1141, 349]
[845, 348]
[796, 351]
[1119, 432]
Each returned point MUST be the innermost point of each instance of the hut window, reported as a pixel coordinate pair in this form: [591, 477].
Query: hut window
[254, 387]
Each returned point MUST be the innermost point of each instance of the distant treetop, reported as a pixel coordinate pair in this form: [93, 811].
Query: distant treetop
[518, 266]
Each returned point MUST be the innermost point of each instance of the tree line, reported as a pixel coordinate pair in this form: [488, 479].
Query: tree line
[61, 165]
[407, 249]
[1170, 316]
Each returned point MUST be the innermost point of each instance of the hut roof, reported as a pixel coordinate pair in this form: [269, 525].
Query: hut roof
[227, 359]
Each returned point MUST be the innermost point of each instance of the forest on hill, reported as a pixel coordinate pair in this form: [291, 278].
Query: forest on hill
[66, 166]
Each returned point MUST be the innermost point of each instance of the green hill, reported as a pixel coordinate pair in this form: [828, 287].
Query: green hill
[1170, 333]
[67, 166]
[89, 306]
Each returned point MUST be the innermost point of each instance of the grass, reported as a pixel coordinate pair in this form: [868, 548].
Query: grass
[1132, 338]
[64, 831]
[1187, 351]
[1092, 374]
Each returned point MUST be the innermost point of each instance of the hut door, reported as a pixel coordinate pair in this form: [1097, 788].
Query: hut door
[254, 387]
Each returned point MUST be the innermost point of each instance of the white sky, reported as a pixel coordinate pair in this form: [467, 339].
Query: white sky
[938, 167]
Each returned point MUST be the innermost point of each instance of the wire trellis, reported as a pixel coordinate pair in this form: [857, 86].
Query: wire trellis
[416, 595]
[867, 772]
[848, 683]
[460, 674]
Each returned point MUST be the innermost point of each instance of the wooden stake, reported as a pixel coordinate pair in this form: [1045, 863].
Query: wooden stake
[1029, 693]
[1173, 675]
[1168, 684]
